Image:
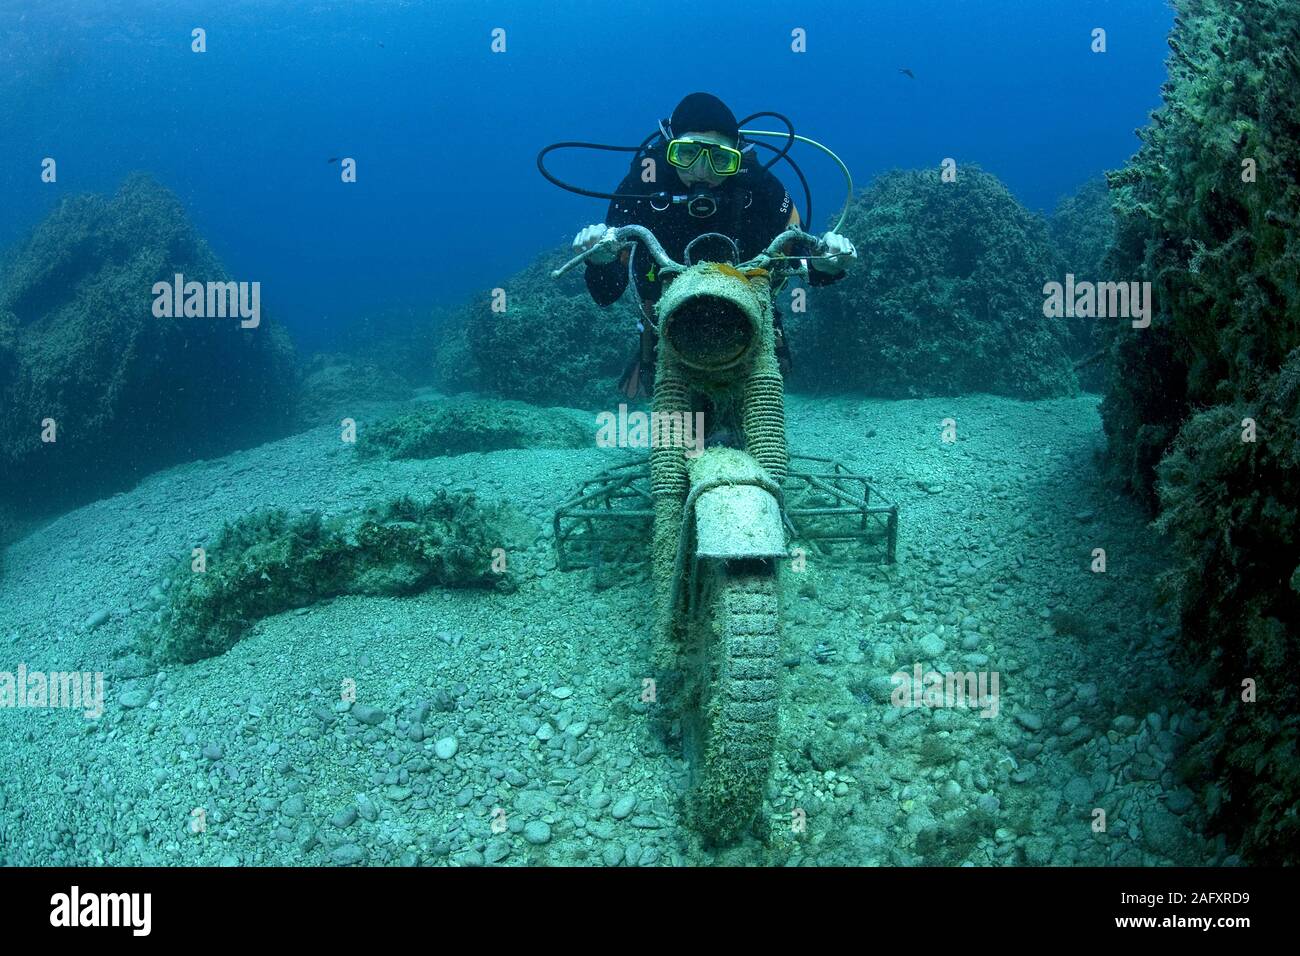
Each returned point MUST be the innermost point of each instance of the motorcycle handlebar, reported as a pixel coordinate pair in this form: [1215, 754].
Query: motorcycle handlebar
[625, 235]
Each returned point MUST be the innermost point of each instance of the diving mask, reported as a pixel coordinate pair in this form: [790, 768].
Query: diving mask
[723, 160]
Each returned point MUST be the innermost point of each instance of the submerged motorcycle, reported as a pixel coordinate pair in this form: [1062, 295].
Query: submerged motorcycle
[720, 513]
[719, 532]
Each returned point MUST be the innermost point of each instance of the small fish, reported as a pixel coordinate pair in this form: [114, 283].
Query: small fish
[381, 43]
[907, 72]
[332, 159]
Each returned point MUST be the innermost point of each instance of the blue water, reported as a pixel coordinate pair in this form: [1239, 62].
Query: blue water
[445, 132]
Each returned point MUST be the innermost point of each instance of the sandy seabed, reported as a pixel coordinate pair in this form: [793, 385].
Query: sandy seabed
[507, 729]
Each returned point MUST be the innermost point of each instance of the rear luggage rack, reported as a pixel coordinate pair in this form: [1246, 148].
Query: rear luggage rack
[610, 517]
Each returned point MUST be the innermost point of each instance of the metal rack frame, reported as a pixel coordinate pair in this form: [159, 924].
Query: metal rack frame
[611, 515]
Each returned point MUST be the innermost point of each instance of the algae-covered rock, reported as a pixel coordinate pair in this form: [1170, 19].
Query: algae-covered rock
[454, 367]
[460, 425]
[269, 562]
[1083, 231]
[1207, 212]
[551, 343]
[336, 384]
[126, 391]
[947, 297]
[1230, 497]
[1083, 228]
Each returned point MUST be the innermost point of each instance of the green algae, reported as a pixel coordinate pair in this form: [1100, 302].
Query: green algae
[270, 561]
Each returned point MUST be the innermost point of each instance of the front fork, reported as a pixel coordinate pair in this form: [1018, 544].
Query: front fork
[763, 414]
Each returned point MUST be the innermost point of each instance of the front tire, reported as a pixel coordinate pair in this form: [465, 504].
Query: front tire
[731, 729]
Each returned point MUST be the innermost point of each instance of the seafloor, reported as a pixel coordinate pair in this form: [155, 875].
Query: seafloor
[538, 692]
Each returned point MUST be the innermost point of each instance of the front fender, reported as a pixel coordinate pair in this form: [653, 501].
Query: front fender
[738, 521]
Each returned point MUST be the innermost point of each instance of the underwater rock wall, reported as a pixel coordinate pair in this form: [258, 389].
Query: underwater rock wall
[127, 392]
[1201, 410]
[947, 297]
[545, 342]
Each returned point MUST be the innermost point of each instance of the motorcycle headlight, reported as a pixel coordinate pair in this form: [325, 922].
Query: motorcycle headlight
[709, 318]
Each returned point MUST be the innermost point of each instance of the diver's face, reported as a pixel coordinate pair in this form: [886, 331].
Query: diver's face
[702, 172]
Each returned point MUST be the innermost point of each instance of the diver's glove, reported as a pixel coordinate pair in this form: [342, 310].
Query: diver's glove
[834, 243]
[590, 238]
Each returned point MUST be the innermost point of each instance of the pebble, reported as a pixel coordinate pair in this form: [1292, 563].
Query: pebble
[1038, 850]
[446, 748]
[537, 832]
[366, 714]
[1028, 720]
[1079, 791]
[212, 751]
[623, 807]
[96, 619]
[344, 818]
[563, 693]
[1179, 801]
[366, 808]
[515, 778]
[347, 854]
[612, 855]
[932, 645]
[133, 698]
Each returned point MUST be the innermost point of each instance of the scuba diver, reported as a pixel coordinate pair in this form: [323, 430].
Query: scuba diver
[730, 197]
